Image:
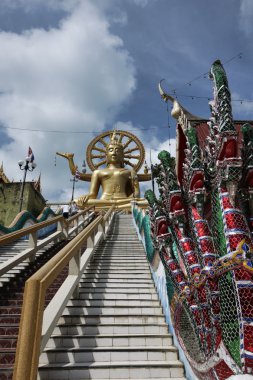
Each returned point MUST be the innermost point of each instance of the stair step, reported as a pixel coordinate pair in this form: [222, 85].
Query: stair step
[110, 354]
[8, 342]
[118, 261]
[133, 276]
[90, 271]
[122, 266]
[100, 319]
[114, 311]
[112, 328]
[113, 303]
[114, 370]
[9, 319]
[119, 290]
[6, 310]
[112, 340]
[7, 357]
[9, 329]
[119, 296]
[116, 284]
[121, 280]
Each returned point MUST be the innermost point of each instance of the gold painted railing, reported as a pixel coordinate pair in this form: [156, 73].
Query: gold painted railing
[38, 323]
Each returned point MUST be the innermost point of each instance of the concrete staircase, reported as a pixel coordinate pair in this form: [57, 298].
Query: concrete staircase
[115, 329]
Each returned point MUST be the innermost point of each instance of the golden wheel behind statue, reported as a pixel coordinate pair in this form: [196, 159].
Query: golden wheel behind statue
[134, 152]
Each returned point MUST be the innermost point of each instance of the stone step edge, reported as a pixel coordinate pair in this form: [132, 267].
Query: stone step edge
[146, 363]
[110, 348]
[110, 291]
[110, 306]
[140, 281]
[115, 299]
[122, 271]
[105, 324]
[100, 303]
[167, 335]
[93, 316]
[142, 378]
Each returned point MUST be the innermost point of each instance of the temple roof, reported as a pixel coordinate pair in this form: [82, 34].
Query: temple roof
[202, 130]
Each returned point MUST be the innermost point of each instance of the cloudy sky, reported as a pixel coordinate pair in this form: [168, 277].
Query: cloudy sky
[71, 69]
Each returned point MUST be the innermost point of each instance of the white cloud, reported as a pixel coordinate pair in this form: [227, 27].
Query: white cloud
[29, 5]
[245, 16]
[74, 78]
[170, 146]
[141, 3]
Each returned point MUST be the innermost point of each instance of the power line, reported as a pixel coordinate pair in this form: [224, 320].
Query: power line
[74, 132]
[205, 75]
[208, 98]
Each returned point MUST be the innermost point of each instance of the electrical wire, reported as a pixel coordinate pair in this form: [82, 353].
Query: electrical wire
[208, 98]
[205, 75]
[74, 132]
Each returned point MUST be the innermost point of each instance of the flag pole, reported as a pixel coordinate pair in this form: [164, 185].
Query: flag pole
[151, 168]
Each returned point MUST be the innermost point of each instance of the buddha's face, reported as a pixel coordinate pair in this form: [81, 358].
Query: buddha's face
[115, 154]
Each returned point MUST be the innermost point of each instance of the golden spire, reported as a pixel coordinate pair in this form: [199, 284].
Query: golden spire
[177, 110]
[3, 177]
[37, 184]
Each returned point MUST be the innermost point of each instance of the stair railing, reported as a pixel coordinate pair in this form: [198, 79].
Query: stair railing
[37, 322]
[65, 229]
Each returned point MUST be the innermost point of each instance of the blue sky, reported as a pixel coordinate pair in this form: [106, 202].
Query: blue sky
[90, 65]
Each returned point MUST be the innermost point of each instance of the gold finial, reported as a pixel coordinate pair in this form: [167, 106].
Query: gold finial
[177, 110]
[114, 139]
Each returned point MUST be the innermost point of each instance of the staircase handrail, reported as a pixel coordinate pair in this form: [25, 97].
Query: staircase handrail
[79, 213]
[37, 324]
[63, 232]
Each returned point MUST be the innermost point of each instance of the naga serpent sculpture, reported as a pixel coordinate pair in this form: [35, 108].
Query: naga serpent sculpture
[201, 226]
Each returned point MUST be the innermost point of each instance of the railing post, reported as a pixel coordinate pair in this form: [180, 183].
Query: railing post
[60, 227]
[65, 229]
[101, 228]
[76, 222]
[74, 269]
[106, 224]
[91, 240]
[33, 244]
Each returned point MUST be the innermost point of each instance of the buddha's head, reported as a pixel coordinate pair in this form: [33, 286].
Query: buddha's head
[115, 152]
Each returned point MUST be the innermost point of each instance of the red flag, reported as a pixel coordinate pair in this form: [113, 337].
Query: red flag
[30, 154]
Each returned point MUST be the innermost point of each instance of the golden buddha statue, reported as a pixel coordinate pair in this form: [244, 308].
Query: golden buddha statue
[120, 185]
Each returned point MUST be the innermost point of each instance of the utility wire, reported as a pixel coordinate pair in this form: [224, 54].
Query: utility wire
[205, 75]
[208, 98]
[74, 132]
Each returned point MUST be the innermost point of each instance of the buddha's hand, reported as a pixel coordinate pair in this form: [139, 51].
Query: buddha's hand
[81, 201]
